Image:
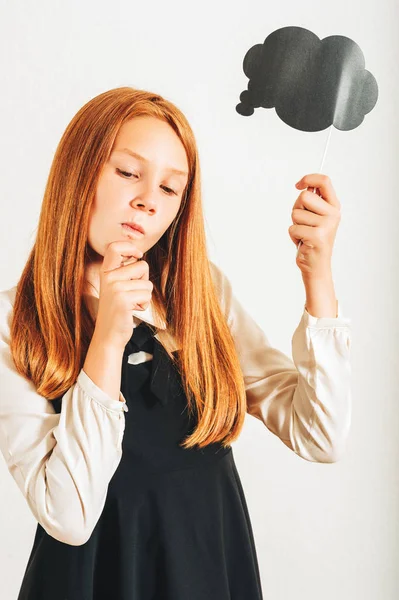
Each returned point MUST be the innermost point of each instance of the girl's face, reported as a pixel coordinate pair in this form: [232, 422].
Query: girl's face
[145, 190]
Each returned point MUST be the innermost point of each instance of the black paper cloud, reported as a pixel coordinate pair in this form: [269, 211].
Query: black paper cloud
[312, 83]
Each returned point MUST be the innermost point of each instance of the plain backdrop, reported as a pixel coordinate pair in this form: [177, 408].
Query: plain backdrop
[323, 531]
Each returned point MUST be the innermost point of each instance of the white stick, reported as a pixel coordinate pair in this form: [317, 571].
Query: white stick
[325, 149]
[320, 169]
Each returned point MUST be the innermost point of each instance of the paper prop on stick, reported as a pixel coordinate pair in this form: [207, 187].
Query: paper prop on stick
[312, 83]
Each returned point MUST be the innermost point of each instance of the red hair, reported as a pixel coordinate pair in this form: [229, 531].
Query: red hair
[51, 326]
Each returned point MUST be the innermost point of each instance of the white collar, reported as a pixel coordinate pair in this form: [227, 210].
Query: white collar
[147, 315]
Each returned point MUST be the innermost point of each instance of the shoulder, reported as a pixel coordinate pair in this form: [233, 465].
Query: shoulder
[223, 289]
[220, 278]
[7, 299]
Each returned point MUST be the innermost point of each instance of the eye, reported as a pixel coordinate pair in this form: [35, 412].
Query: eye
[128, 175]
[170, 191]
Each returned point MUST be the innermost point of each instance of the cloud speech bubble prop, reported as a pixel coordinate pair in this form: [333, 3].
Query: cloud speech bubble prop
[312, 83]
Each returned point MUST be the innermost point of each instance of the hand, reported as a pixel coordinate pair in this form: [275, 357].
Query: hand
[123, 288]
[315, 218]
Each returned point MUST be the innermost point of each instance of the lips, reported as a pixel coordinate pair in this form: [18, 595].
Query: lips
[135, 226]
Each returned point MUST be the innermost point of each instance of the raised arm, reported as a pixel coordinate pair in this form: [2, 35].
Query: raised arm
[306, 401]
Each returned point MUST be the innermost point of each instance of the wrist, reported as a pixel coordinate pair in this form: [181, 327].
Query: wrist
[106, 343]
[321, 300]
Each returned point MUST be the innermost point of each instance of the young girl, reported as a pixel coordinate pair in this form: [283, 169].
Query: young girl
[128, 365]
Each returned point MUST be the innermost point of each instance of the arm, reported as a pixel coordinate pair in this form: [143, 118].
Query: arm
[62, 463]
[103, 365]
[306, 401]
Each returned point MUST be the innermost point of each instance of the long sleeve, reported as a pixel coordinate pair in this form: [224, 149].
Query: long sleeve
[62, 463]
[306, 400]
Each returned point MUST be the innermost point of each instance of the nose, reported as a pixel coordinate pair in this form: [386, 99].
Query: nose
[145, 199]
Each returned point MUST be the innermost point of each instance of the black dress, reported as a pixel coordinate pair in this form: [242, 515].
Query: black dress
[175, 524]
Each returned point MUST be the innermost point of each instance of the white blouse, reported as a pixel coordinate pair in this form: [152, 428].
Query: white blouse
[63, 463]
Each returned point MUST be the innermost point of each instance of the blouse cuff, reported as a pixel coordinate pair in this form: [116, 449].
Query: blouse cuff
[93, 391]
[322, 322]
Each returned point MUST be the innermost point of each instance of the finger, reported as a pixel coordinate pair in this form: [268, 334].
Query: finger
[295, 239]
[302, 233]
[301, 216]
[323, 183]
[118, 251]
[130, 260]
[137, 270]
[314, 203]
[315, 190]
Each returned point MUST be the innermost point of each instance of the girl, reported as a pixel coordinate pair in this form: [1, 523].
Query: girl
[128, 365]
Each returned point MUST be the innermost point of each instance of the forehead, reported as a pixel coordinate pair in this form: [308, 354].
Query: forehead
[151, 140]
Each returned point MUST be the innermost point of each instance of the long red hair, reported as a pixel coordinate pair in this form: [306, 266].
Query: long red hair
[51, 326]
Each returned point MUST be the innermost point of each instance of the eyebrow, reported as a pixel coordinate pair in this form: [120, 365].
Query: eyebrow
[143, 159]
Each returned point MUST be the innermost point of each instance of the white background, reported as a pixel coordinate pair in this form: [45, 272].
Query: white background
[323, 531]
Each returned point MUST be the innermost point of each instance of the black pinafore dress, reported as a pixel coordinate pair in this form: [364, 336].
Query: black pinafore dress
[175, 524]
